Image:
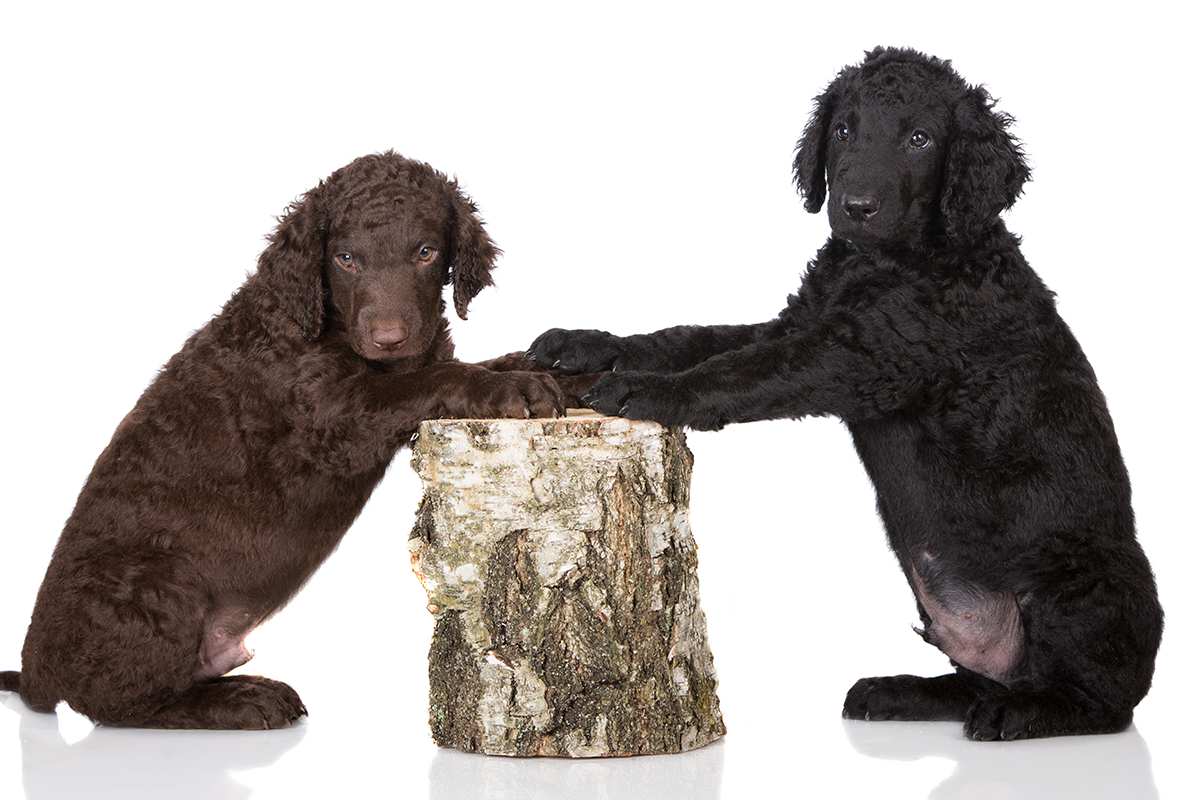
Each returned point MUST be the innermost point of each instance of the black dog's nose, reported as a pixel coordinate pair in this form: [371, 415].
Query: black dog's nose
[860, 206]
[388, 335]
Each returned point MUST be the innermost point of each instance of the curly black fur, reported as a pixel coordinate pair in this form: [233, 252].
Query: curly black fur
[973, 408]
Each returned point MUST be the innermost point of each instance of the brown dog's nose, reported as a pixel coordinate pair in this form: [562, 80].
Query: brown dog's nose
[388, 335]
[860, 206]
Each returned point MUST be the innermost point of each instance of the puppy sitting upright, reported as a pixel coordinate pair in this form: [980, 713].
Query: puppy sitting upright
[244, 463]
[973, 408]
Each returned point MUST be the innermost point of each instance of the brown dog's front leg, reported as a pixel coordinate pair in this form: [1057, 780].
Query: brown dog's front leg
[452, 389]
[376, 414]
[473, 391]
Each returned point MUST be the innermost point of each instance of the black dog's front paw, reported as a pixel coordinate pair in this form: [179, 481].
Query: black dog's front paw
[648, 395]
[634, 395]
[576, 350]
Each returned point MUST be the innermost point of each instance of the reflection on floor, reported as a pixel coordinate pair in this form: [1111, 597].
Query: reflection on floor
[1115, 767]
[65, 757]
[181, 765]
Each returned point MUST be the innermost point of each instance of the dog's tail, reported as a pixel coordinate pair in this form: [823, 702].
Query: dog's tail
[10, 681]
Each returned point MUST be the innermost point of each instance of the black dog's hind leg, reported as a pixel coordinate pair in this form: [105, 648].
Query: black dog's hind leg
[908, 697]
[1034, 713]
[1092, 637]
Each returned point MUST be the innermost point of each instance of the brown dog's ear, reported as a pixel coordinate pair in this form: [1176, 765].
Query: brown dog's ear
[292, 264]
[985, 168]
[473, 252]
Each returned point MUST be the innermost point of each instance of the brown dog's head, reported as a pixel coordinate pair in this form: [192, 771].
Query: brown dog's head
[365, 254]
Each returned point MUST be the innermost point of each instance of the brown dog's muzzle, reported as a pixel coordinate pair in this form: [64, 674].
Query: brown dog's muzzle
[388, 335]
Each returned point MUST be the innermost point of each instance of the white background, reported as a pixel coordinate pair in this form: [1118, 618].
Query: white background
[634, 164]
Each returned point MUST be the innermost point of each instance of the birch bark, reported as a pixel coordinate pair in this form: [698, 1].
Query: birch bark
[561, 572]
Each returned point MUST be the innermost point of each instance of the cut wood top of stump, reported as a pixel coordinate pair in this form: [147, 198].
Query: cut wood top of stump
[584, 414]
[576, 420]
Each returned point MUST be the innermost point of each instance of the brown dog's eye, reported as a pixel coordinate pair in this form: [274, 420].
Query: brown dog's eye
[426, 254]
[841, 132]
[919, 139]
[345, 261]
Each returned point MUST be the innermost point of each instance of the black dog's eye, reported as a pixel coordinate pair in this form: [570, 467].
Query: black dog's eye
[841, 132]
[426, 254]
[920, 139]
[345, 261]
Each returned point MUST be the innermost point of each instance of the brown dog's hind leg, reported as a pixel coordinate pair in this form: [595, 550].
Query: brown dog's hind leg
[234, 702]
[126, 640]
[127, 637]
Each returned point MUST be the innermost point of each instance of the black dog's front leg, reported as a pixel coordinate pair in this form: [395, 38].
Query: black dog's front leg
[667, 350]
[857, 377]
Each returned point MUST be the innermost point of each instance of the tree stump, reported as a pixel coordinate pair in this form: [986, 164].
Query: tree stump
[561, 572]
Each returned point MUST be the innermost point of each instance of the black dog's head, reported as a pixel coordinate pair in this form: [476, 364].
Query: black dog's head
[365, 254]
[911, 154]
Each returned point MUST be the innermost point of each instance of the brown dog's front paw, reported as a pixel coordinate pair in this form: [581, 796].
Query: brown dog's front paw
[509, 362]
[574, 387]
[517, 395]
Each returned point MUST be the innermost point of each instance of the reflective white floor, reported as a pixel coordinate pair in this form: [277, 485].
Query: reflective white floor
[64, 757]
[353, 644]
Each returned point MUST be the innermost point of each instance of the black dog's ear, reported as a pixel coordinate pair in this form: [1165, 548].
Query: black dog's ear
[808, 168]
[473, 252]
[292, 264]
[985, 168]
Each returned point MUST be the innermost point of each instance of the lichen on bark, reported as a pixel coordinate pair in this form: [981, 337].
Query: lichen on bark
[561, 569]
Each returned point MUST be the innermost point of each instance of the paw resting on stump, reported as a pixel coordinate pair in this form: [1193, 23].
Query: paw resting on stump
[561, 572]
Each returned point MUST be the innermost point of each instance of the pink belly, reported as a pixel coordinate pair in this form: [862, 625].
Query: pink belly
[223, 647]
[979, 630]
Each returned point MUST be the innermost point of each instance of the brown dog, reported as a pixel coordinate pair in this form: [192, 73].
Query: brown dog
[243, 464]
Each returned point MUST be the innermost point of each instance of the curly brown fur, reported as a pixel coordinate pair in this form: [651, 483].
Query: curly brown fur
[972, 406]
[244, 463]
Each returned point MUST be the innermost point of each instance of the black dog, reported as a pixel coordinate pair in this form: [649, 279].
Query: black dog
[972, 406]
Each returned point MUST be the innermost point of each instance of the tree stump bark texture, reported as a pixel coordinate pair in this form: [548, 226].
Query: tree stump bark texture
[561, 571]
